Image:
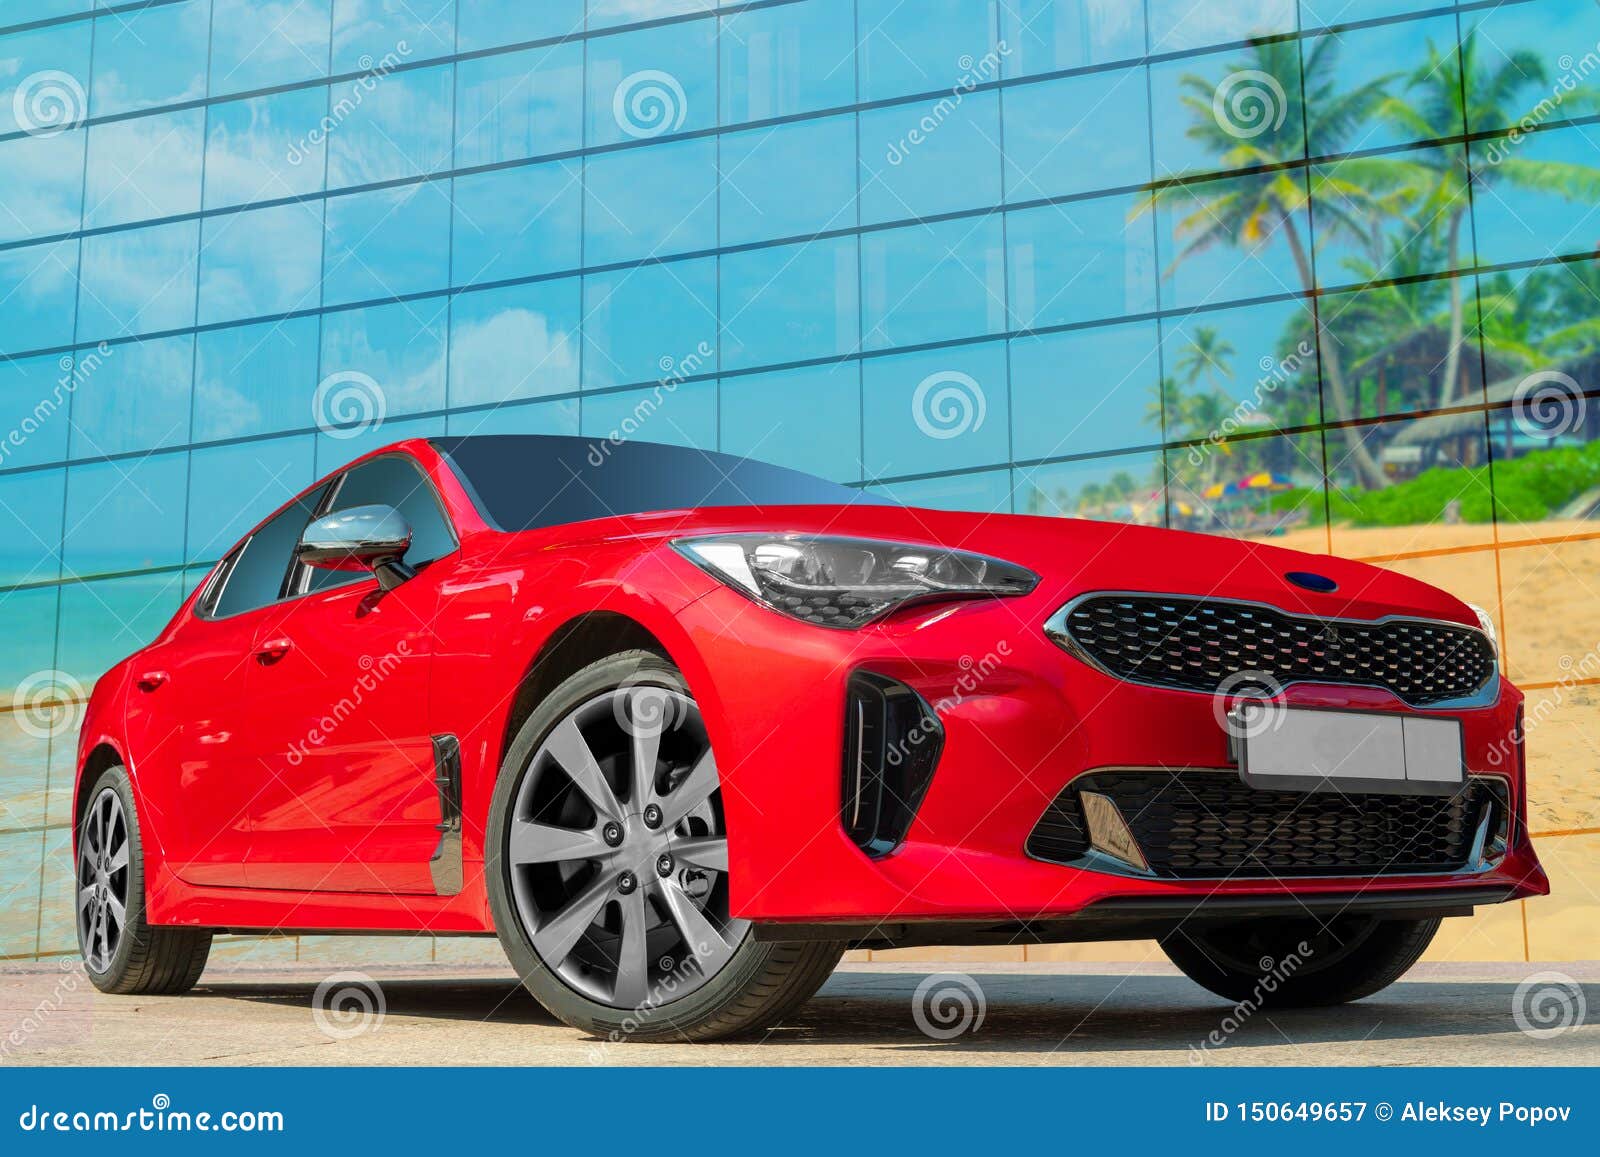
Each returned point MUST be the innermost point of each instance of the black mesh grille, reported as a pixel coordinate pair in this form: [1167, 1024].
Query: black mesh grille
[1203, 824]
[1196, 644]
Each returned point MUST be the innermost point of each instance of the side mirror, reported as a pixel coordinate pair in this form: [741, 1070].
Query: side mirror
[373, 538]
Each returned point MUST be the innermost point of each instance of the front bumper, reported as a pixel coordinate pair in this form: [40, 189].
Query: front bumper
[1021, 720]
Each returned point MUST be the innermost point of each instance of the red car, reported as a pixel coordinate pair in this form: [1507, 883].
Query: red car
[679, 728]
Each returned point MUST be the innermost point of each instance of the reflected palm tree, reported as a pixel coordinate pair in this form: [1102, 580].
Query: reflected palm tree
[1438, 181]
[1206, 356]
[1247, 212]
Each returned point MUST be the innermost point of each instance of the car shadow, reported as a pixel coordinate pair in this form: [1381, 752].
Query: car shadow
[500, 1000]
[1159, 1016]
[1016, 1014]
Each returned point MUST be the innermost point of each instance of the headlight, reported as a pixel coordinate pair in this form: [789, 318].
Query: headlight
[847, 582]
[1486, 625]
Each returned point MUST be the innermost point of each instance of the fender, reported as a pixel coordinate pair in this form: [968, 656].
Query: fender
[109, 724]
[506, 611]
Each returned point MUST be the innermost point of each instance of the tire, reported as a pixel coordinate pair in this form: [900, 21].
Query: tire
[1299, 963]
[127, 954]
[606, 936]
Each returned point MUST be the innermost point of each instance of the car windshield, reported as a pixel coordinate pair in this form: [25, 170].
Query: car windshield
[524, 481]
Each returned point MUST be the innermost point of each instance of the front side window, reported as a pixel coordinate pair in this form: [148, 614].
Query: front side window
[395, 482]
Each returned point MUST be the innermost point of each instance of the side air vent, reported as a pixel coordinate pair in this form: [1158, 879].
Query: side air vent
[892, 741]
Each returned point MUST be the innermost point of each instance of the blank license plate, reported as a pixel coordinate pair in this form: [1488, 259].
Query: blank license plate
[1301, 749]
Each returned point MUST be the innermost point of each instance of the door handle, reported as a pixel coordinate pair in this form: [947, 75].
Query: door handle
[273, 649]
[151, 680]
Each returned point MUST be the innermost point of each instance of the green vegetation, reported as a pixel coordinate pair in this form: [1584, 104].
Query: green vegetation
[1528, 489]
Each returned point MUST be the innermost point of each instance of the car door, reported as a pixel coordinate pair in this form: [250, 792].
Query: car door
[207, 674]
[348, 798]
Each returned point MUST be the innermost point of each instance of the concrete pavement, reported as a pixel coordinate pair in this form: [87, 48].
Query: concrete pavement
[1061, 1014]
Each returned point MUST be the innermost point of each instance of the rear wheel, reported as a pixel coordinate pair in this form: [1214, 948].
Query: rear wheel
[122, 951]
[608, 867]
[1299, 962]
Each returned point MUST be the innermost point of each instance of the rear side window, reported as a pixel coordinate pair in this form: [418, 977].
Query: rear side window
[257, 574]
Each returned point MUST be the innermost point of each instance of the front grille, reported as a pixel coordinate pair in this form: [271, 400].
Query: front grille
[1209, 824]
[1197, 644]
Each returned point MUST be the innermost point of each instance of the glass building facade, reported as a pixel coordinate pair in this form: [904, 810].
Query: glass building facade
[1318, 272]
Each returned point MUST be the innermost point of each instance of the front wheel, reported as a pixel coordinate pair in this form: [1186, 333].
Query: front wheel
[122, 951]
[608, 867]
[1299, 962]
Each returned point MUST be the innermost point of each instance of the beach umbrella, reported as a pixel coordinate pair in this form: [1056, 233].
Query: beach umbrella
[1265, 480]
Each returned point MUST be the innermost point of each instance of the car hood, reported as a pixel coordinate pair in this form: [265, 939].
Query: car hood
[1075, 556]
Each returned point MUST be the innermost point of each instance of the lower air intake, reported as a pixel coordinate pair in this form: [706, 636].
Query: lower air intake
[1210, 825]
[892, 742]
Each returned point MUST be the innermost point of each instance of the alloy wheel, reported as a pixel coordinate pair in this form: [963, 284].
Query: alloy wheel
[617, 850]
[103, 880]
